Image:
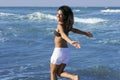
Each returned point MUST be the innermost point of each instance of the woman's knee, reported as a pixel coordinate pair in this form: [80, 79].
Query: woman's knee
[59, 72]
[61, 69]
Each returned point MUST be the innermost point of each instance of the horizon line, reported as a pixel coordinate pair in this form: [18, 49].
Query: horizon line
[58, 6]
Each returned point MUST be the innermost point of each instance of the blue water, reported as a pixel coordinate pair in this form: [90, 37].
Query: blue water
[27, 42]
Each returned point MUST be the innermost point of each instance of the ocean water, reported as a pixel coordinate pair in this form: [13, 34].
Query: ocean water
[27, 42]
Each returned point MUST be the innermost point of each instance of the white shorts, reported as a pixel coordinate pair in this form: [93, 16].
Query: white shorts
[60, 55]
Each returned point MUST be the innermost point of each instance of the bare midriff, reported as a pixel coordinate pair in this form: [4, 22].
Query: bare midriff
[60, 43]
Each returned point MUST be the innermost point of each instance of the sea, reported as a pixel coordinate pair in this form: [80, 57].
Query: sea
[27, 43]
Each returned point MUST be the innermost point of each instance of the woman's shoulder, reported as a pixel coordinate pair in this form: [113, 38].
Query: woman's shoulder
[60, 26]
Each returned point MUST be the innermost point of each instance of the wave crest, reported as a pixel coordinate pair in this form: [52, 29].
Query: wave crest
[111, 11]
[89, 20]
[6, 14]
[38, 16]
[33, 16]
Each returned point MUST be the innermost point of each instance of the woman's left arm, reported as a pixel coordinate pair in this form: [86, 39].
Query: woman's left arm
[77, 31]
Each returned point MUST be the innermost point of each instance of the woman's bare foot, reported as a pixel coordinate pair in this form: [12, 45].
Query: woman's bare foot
[76, 77]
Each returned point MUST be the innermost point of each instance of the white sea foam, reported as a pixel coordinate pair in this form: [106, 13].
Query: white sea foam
[3, 39]
[77, 10]
[111, 11]
[89, 20]
[6, 14]
[110, 41]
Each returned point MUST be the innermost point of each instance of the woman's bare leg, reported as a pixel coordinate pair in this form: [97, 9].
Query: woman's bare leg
[59, 70]
[64, 74]
[53, 71]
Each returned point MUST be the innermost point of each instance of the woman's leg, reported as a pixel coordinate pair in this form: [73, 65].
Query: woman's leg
[64, 74]
[53, 71]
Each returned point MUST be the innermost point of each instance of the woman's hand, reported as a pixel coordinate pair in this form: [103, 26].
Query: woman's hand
[89, 34]
[75, 44]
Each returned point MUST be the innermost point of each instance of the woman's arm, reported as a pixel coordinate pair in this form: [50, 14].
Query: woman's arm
[66, 38]
[77, 31]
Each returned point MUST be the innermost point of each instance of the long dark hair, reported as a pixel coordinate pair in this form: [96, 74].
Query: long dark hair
[68, 17]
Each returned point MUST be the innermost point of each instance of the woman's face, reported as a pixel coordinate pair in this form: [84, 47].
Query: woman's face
[59, 16]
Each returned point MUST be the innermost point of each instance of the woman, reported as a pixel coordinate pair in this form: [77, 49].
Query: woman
[60, 54]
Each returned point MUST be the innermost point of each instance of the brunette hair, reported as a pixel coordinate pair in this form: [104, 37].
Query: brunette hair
[68, 17]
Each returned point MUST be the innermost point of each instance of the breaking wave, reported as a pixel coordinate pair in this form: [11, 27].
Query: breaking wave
[89, 20]
[111, 11]
[33, 16]
[38, 16]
